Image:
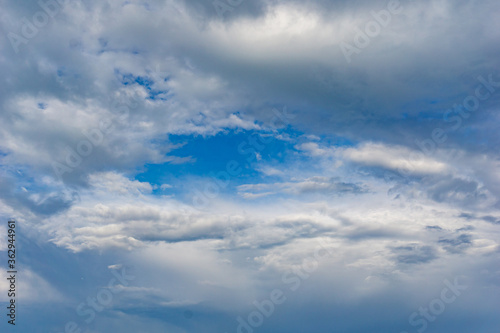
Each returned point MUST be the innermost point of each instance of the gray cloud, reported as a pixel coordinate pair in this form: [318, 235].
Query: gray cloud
[412, 254]
[457, 244]
[177, 68]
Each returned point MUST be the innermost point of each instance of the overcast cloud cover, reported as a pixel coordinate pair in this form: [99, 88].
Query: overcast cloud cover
[251, 165]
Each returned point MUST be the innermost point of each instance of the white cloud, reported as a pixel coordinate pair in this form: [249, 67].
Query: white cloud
[395, 158]
[322, 185]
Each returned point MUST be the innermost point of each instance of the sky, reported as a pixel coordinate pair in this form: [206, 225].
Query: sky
[251, 165]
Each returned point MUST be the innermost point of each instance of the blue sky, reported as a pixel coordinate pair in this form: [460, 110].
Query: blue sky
[251, 166]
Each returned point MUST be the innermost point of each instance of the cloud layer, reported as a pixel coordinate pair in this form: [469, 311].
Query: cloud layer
[342, 153]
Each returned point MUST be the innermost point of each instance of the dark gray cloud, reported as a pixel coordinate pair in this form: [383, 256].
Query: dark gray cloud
[487, 218]
[31, 200]
[491, 219]
[412, 254]
[464, 192]
[457, 244]
[433, 228]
